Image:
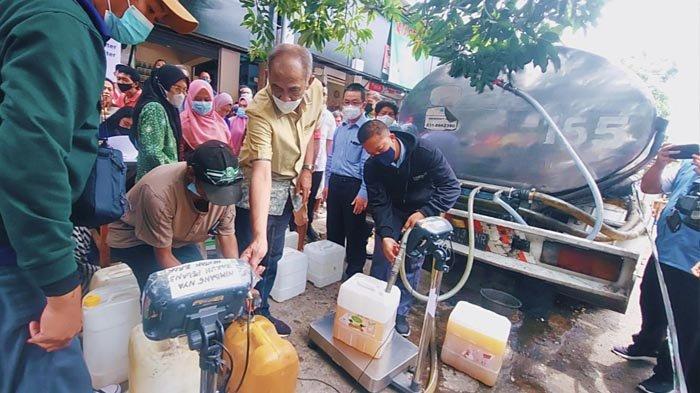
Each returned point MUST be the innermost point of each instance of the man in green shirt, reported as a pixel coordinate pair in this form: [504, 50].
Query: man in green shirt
[52, 66]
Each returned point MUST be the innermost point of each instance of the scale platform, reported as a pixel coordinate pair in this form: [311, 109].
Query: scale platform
[397, 358]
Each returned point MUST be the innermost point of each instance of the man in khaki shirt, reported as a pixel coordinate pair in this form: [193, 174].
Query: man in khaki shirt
[277, 160]
[175, 207]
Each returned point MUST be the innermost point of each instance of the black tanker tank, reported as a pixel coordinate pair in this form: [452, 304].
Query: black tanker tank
[607, 114]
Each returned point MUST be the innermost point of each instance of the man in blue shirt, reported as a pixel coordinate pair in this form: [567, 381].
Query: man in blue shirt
[345, 190]
[678, 245]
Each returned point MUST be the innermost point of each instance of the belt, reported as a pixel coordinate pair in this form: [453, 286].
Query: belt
[8, 257]
[344, 178]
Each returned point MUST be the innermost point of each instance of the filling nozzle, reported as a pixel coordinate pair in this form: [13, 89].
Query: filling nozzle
[400, 260]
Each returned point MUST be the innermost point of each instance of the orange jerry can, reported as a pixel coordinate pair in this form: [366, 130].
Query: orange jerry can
[273, 363]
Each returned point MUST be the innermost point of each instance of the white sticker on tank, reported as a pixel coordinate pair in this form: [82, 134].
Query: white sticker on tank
[188, 279]
[436, 120]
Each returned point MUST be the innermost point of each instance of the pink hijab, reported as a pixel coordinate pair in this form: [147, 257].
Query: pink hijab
[238, 129]
[196, 128]
[222, 99]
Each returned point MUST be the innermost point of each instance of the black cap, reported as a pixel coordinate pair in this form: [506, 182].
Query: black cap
[216, 168]
[135, 76]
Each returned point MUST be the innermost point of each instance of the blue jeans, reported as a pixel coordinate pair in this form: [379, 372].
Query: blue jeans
[27, 368]
[381, 268]
[276, 227]
[142, 259]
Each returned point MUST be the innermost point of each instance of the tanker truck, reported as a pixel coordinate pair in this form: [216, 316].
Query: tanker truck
[569, 215]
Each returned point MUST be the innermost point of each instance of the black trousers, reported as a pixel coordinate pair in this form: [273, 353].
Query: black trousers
[345, 227]
[684, 294]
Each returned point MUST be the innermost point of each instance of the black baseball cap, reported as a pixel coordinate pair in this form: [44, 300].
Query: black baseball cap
[135, 76]
[217, 169]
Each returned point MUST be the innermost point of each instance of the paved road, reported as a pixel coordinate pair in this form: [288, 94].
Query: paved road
[556, 344]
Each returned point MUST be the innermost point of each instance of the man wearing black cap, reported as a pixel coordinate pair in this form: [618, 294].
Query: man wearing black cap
[129, 84]
[177, 206]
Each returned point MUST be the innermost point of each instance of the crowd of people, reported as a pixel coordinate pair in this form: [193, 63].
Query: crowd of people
[241, 171]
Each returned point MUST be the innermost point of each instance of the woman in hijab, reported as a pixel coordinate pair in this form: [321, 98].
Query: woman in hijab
[223, 103]
[239, 122]
[118, 124]
[200, 122]
[156, 125]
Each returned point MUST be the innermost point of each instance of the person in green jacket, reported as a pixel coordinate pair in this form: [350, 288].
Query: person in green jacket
[52, 68]
[157, 121]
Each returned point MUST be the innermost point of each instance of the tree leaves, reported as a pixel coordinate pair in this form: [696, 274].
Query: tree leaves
[483, 39]
[317, 22]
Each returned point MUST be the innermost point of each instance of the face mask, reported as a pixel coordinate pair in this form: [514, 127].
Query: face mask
[240, 111]
[202, 107]
[124, 87]
[286, 107]
[132, 28]
[176, 100]
[351, 112]
[386, 158]
[193, 189]
[123, 130]
[386, 119]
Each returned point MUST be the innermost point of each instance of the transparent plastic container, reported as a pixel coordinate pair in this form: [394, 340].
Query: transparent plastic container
[290, 280]
[117, 274]
[162, 366]
[109, 314]
[326, 261]
[365, 314]
[476, 342]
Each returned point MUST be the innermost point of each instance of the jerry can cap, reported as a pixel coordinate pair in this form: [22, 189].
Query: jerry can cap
[91, 300]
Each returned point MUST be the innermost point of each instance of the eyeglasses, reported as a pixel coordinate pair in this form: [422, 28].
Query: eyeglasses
[179, 90]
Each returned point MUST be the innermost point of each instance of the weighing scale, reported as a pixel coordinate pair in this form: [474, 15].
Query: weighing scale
[427, 237]
[398, 356]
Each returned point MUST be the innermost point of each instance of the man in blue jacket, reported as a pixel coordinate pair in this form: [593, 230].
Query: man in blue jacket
[407, 180]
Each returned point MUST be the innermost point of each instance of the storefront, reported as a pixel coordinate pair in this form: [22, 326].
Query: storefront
[229, 68]
[195, 54]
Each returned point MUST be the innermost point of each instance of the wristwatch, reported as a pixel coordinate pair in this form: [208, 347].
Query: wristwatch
[310, 167]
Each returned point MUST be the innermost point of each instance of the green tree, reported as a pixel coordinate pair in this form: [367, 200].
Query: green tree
[655, 73]
[482, 39]
[316, 21]
[479, 38]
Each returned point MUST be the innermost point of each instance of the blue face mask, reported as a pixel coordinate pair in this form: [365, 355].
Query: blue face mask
[132, 28]
[386, 158]
[240, 112]
[193, 189]
[202, 107]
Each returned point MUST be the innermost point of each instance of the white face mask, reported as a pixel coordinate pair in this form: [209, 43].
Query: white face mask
[386, 119]
[351, 112]
[176, 99]
[286, 107]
